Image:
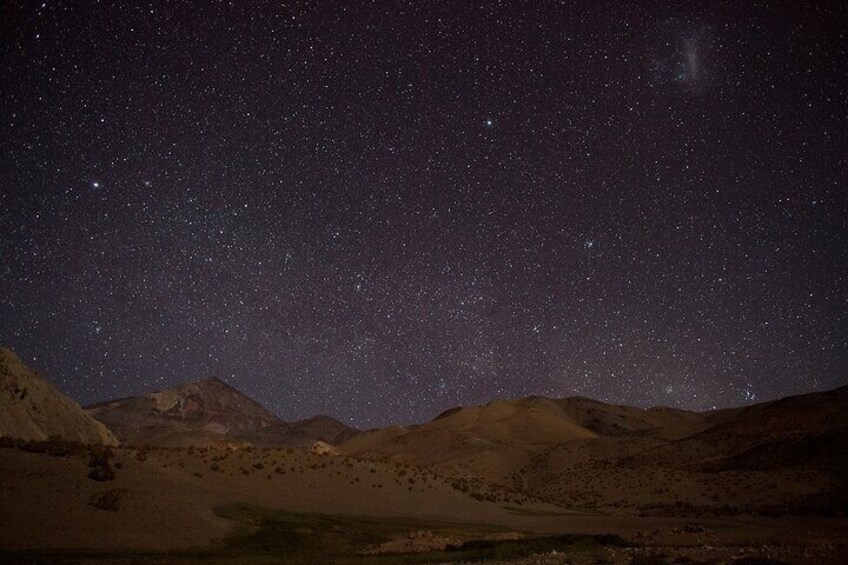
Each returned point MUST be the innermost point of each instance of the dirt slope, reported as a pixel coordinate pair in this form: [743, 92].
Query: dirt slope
[33, 409]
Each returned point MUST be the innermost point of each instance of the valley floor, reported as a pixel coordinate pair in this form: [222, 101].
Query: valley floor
[291, 506]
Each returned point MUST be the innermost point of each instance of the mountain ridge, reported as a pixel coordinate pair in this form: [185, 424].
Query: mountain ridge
[208, 411]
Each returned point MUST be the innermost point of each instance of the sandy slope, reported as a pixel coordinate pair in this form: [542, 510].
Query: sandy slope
[488, 441]
[32, 408]
[167, 500]
[788, 456]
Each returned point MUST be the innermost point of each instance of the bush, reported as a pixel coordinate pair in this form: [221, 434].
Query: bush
[110, 501]
[32, 446]
[58, 447]
[98, 463]
[102, 473]
[7, 442]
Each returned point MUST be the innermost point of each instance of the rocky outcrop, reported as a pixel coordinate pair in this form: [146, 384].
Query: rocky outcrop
[322, 448]
[33, 409]
[199, 412]
[209, 412]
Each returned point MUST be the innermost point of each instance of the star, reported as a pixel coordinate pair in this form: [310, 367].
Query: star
[369, 226]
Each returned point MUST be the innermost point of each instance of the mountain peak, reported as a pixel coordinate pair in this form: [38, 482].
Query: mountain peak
[212, 380]
[205, 410]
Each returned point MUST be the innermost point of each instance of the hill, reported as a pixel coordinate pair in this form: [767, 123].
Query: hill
[494, 440]
[767, 480]
[305, 432]
[33, 409]
[194, 413]
[208, 412]
[783, 456]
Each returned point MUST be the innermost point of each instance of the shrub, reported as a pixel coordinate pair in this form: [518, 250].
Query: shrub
[99, 457]
[648, 558]
[110, 501]
[98, 463]
[33, 446]
[102, 473]
[7, 442]
[58, 447]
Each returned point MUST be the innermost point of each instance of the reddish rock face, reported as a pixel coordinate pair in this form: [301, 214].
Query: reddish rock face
[189, 408]
[209, 411]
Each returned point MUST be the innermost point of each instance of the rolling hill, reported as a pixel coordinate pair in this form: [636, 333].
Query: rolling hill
[783, 456]
[33, 409]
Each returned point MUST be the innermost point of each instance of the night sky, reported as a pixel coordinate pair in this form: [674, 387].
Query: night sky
[381, 210]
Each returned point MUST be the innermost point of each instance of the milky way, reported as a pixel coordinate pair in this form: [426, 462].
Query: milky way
[382, 212]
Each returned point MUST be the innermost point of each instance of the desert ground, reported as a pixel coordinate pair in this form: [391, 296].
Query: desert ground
[174, 505]
[201, 473]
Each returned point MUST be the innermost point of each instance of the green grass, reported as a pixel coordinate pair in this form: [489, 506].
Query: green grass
[263, 536]
[320, 538]
[306, 538]
[519, 511]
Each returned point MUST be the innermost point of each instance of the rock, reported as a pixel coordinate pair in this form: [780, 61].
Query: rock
[322, 448]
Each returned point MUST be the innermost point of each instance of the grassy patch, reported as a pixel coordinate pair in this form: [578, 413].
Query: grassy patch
[320, 538]
[519, 511]
[302, 537]
[265, 536]
[484, 550]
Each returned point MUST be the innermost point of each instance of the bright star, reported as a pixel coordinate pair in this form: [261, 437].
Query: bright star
[749, 395]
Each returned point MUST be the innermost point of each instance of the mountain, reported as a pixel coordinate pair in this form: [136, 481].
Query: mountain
[199, 412]
[305, 432]
[789, 455]
[33, 409]
[619, 420]
[804, 430]
[496, 439]
[207, 412]
[487, 441]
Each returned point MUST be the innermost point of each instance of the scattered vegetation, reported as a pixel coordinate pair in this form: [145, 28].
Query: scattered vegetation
[109, 501]
[321, 538]
[98, 464]
[55, 446]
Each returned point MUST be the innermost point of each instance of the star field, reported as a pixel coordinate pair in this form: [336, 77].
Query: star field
[378, 211]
